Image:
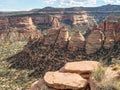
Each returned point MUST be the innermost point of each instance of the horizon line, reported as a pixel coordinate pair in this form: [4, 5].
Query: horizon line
[14, 10]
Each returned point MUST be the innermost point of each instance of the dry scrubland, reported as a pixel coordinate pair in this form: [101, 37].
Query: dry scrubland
[13, 79]
[16, 79]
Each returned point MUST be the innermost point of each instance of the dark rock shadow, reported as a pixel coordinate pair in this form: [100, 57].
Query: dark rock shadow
[41, 59]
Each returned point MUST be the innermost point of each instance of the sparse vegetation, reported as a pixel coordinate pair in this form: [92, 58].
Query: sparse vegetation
[7, 49]
[103, 84]
[110, 85]
[13, 79]
[116, 67]
[99, 74]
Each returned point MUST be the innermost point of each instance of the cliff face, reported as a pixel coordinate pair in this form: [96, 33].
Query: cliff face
[79, 19]
[111, 29]
[17, 29]
[99, 13]
[24, 27]
[43, 22]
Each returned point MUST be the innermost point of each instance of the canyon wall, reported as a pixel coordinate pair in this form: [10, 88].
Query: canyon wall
[21, 28]
[17, 29]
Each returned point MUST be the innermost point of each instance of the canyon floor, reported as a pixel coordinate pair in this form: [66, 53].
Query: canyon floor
[13, 79]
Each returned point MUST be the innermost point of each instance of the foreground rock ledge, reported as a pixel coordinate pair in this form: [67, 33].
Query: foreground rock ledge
[81, 67]
[60, 80]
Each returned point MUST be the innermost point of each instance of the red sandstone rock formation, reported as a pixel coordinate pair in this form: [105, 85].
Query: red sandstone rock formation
[4, 23]
[83, 68]
[76, 42]
[55, 23]
[113, 27]
[109, 40]
[57, 37]
[80, 18]
[94, 41]
[17, 29]
[46, 22]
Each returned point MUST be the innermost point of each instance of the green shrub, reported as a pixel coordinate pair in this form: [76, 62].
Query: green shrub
[99, 74]
[101, 83]
[116, 67]
[109, 85]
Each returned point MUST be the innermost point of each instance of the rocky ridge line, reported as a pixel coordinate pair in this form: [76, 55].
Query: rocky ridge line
[54, 49]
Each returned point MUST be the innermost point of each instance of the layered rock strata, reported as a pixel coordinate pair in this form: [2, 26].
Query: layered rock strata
[21, 28]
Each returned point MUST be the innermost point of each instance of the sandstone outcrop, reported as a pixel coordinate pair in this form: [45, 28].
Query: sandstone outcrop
[17, 29]
[4, 23]
[51, 36]
[24, 22]
[109, 40]
[94, 41]
[69, 77]
[60, 80]
[26, 26]
[42, 22]
[63, 37]
[113, 26]
[55, 23]
[82, 20]
[57, 37]
[46, 22]
[77, 41]
[83, 68]
[111, 29]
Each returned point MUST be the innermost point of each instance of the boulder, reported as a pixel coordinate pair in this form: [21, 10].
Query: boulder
[94, 41]
[83, 68]
[59, 80]
[76, 42]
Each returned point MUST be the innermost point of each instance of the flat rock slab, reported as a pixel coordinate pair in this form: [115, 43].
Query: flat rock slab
[59, 80]
[81, 67]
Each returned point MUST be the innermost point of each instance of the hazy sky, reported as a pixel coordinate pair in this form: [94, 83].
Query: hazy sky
[17, 5]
